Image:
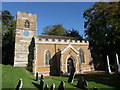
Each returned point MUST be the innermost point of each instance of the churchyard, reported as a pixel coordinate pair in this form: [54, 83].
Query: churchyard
[11, 76]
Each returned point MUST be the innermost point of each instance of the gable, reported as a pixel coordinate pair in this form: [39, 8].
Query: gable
[69, 47]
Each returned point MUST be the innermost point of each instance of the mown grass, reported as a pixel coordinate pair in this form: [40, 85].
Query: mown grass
[11, 75]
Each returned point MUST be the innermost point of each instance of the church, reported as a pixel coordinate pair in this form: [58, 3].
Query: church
[49, 55]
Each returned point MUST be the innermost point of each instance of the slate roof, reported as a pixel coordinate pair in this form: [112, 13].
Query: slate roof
[56, 37]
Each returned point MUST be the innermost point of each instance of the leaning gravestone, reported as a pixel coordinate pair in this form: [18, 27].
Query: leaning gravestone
[85, 83]
[108, 66]
[82, 83]
[19, 85]
[37, 76]
[41, 77]
[117, 69]
[71, 77]
[117, 65]
[61, 86]
[52, 87]
[41, 84]
[46, 87]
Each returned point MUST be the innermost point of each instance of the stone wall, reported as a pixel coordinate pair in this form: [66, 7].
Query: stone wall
[55, 46]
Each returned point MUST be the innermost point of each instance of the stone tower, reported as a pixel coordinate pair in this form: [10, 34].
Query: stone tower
[25, 31]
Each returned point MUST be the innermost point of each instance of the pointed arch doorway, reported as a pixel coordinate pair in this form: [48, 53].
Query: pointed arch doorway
[70, 64]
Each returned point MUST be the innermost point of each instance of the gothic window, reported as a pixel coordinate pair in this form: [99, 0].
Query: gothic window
[27, 24]
[47, 58]
[81, 55]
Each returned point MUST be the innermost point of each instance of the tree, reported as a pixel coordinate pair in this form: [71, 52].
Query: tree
[74, 33]
[8, 37]
[57, 30]
[103, 29]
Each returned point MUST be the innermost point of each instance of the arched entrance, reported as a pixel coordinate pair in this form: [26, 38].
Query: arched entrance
[70, 65]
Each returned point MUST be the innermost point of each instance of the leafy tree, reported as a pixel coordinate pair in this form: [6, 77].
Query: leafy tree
[57, 30]
[74, 33]
[8, 37]
[103, 29]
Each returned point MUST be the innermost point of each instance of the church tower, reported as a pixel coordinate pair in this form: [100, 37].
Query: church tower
[25, 32]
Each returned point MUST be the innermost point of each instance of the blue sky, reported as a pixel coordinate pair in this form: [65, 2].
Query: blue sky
[69, 14]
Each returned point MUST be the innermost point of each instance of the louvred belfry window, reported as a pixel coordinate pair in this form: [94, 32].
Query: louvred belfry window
[27, 24]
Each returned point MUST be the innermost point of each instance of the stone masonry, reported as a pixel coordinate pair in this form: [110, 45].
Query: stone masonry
[53, 55]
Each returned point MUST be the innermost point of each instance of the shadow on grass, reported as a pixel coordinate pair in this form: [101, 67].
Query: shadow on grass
[34, 79]
[60, 80]
[112, 80]
[36, 85]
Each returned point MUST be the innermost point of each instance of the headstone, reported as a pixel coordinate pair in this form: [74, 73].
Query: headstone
[117, 65]
[117, 60]
[46, 87]
[119, 69]
[95, 88]
[52, 87]
[85, 83]
[108, 65]
[41, 84]
[61, 86]
[19, 85]
[82, 83]
[71, 77]
[37, 76]
[41, 77]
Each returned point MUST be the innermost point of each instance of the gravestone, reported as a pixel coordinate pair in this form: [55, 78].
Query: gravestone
[41, 84]
[41, 77]
[19, 85]
[119, 69]
[46, 87]
[82, 83]
[52, 87]
[85, 83]
[95, 88]
[71, 77]
[108, 65]
[37, 76]
[117, 65]
[61, 86]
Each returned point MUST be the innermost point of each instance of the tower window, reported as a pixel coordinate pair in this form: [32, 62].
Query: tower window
[27, 24]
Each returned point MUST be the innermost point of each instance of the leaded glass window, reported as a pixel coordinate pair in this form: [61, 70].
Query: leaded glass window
[81, 55]
[47, 58]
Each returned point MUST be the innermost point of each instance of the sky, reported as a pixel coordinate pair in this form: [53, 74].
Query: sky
[69, 14]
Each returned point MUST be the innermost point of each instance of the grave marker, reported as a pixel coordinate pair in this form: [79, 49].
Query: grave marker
[19, 85]
[72, 75]
[52, 87]
[41, 84]
[61, 86]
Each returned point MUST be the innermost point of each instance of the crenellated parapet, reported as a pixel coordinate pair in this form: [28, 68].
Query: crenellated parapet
[61, 41]
[22, 17]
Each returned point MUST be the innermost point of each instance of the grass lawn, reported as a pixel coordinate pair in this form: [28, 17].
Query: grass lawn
[11, 75]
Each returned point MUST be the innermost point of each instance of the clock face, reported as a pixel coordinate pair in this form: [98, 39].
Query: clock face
[26, 33]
